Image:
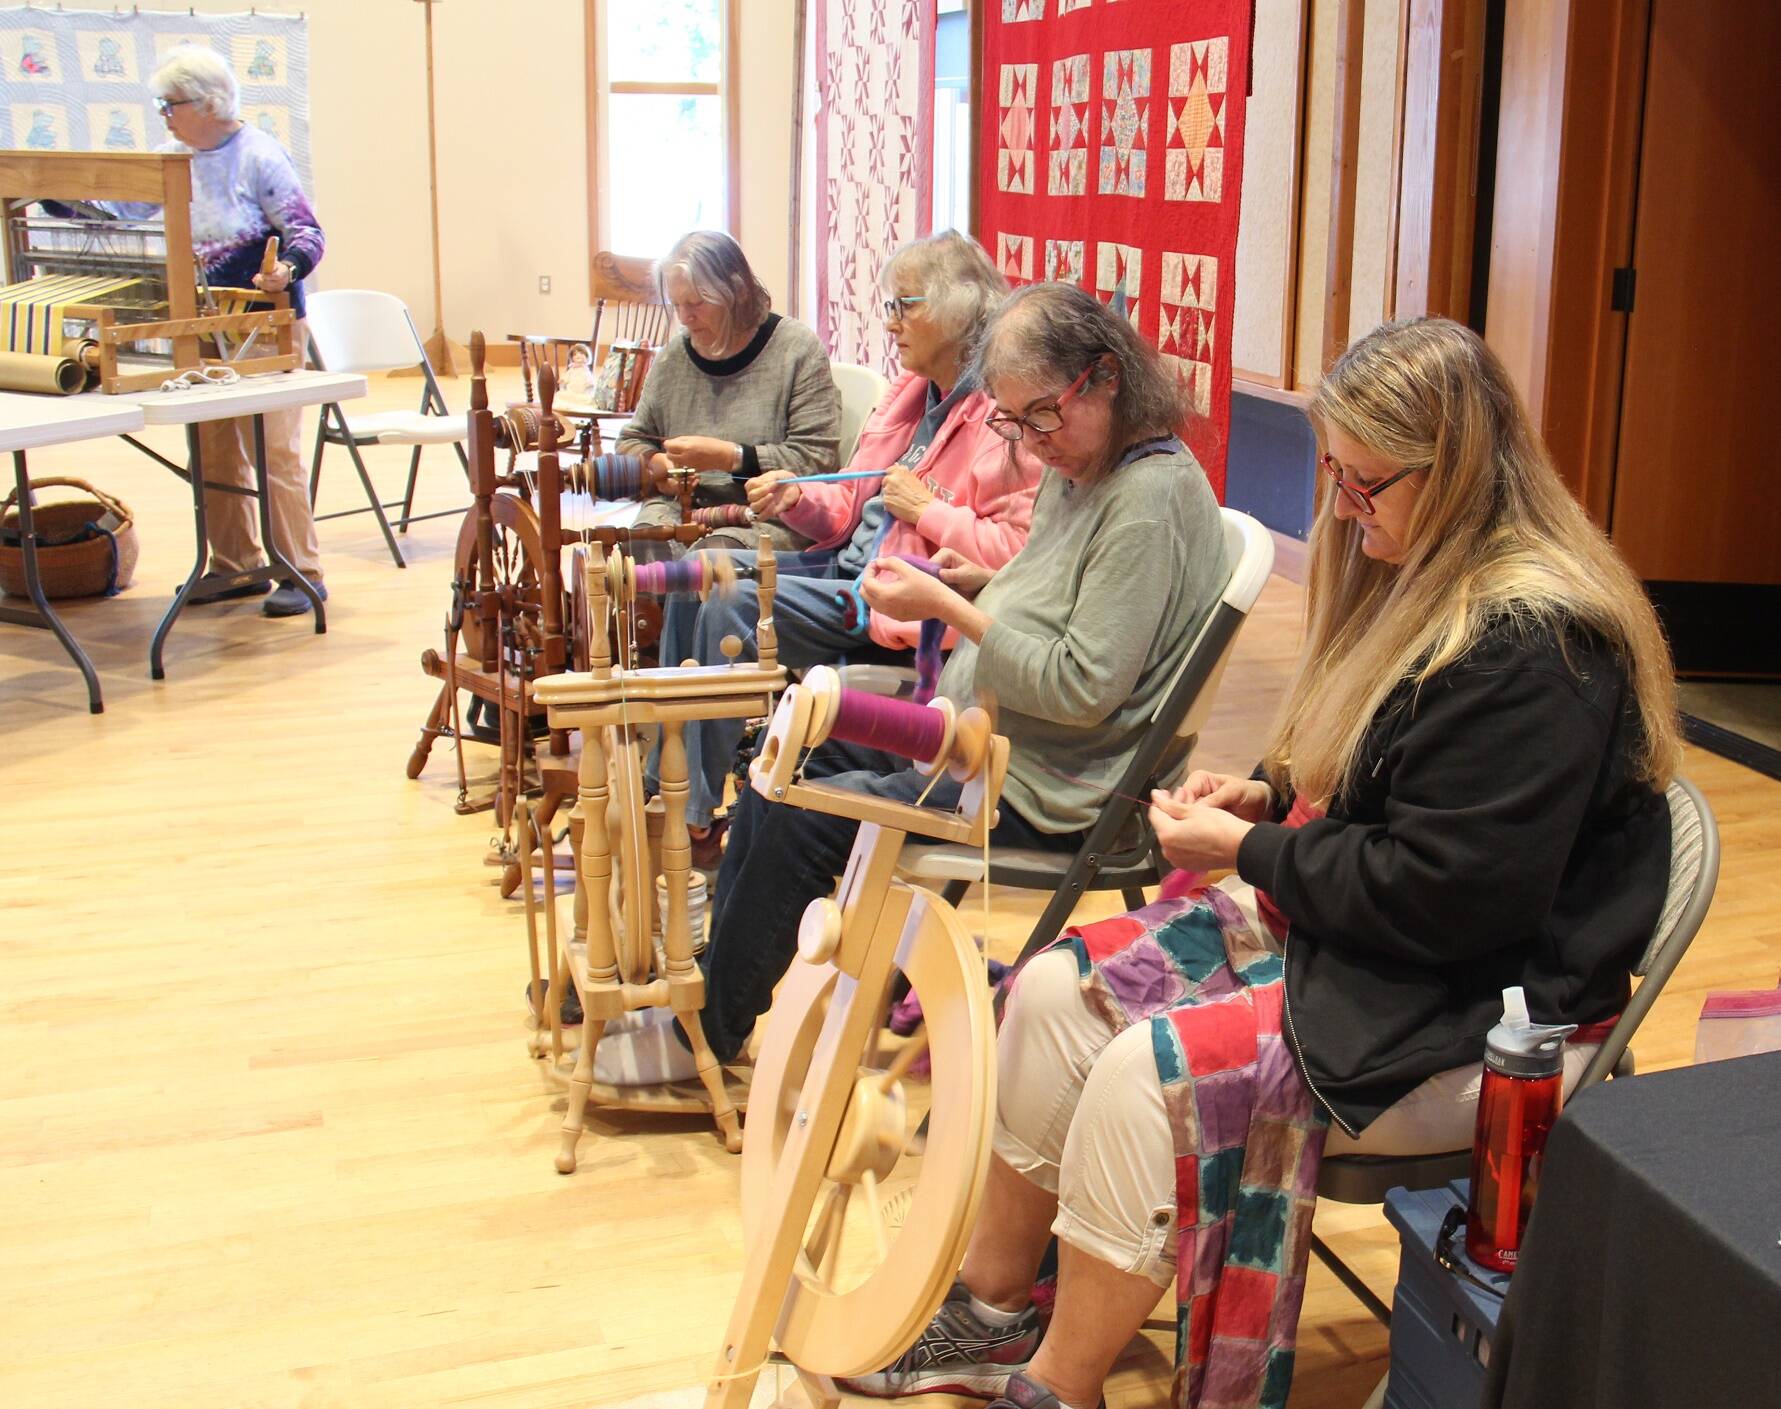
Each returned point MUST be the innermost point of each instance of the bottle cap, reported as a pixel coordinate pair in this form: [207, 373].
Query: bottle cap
[1519, 1046]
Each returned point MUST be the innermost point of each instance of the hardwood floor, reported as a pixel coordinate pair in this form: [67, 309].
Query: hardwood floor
[268, 1134]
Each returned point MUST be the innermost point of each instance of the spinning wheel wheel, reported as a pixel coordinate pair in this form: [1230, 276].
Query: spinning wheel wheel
[630, 849]
[518, 551]
[836, 1320]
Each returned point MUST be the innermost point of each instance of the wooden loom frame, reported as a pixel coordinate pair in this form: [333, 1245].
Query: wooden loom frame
[164, 180]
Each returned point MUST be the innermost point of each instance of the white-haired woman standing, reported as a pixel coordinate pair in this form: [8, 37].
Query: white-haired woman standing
[742, 392]
[244, 189]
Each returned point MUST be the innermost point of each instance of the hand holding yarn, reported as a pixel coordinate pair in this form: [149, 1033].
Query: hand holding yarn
[905, 496]
[1248, 798]
[904, 592]
[960, 573]
[658, 471]
[1193, 836]
[772, 493]
[701, 452]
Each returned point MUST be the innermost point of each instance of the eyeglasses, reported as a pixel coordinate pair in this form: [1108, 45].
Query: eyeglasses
[164, 106]
[1041, 419]
[1452, 1261]
[1362, 499]
[895, 308]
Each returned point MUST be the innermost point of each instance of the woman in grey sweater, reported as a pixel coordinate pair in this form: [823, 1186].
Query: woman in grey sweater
[740, 392]
[1076, 639]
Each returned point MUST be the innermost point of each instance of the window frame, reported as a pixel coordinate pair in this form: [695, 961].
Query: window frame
[613, 273]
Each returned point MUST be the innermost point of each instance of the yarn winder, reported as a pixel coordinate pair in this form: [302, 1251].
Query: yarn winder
[826, 1128]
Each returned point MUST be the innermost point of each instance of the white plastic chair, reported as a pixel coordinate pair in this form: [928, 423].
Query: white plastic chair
[1106, 859]
[860, 389]
[362, 330]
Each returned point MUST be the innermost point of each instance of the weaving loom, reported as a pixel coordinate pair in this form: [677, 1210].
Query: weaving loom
[123, 300]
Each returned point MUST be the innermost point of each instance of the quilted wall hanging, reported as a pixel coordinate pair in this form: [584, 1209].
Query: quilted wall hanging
[78, 80]
[1111, 156]
[874, 162]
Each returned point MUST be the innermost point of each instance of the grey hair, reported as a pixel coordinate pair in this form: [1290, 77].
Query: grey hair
[719, 273]
[1047, 334]
[962, 287]
[195, 72]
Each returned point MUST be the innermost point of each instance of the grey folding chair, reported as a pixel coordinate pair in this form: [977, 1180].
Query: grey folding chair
[1120, 851]
[1694, 872]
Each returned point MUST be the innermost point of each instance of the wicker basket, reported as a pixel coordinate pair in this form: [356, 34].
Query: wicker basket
[93, 567]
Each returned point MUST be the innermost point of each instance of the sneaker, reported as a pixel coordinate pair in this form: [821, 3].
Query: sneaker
[1024, 1392]
[643, 1049]
[571, 1006]
[708, 850]
[209, 588]
[957, 1354]
[291, 600]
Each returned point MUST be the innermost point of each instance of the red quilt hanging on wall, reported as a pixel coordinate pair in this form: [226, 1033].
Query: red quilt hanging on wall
[1111, 156]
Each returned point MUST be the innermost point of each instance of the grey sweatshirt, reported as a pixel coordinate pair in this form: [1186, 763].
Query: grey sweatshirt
[777, 401]
[1089, 622]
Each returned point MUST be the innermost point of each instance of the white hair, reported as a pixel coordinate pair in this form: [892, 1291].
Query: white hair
[194, 72]
[955, 276]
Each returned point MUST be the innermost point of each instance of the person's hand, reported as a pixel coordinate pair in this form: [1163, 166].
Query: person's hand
[1193, 836]
[772, 493]
[905, 496]
[904, 593]
[1248, 798]
[960, 573]
[277, 281]
[701, 452]
[658, 474]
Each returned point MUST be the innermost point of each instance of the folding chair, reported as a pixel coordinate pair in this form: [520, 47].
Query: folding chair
[361, 330]
[1120, 851]
[860, 389]
[1694, 872]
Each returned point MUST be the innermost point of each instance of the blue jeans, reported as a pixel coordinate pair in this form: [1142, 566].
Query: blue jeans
[780, 858]
[809, 622]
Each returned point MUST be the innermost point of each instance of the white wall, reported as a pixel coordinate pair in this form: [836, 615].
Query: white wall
[512, 152]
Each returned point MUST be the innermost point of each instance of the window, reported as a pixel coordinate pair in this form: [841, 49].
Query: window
[952, 117]
[663, 115]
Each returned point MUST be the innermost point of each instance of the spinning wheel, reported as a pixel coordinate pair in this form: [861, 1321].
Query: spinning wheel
[518, 550]
[837, 1321]
[826, 1127]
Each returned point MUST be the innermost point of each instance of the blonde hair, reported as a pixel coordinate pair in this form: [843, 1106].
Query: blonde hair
[1494, 535]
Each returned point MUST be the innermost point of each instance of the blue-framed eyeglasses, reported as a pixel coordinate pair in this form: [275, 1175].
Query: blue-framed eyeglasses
[895, 308]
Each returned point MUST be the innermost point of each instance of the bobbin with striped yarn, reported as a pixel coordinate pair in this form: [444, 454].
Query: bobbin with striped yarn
[723, 516]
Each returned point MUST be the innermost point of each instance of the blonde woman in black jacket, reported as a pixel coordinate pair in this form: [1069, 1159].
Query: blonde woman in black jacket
[1464, 791]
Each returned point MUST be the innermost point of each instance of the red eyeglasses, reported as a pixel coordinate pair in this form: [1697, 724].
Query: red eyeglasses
[1361, 500]
[1043, 419]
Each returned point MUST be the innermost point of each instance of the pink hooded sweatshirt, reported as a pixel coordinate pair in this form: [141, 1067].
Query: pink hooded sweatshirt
[983, 503]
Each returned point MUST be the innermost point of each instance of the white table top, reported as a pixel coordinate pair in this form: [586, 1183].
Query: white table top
[28, 422]
[274, 391]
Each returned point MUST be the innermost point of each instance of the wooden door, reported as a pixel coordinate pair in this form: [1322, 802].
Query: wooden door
[1697, 485]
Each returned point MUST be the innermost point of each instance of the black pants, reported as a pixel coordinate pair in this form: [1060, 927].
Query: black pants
[778, 859]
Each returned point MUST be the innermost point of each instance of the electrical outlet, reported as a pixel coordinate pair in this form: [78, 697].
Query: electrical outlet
[544, 283]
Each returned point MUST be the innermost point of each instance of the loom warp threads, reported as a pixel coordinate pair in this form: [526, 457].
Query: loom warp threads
[875, 721]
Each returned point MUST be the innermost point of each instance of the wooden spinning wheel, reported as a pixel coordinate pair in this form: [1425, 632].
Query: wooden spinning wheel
[827, 1128]
[518, 548]
[837, 1321]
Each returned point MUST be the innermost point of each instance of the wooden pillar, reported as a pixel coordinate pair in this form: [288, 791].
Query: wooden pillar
[1338, 284]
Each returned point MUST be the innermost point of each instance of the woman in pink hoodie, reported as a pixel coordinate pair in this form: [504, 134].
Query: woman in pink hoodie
[951, 492]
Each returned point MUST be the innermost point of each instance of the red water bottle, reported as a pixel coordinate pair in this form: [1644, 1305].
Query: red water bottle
[1524, 1065]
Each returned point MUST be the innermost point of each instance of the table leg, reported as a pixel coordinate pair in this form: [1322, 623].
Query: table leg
[195, 468]
[277, 558]
[34, 586]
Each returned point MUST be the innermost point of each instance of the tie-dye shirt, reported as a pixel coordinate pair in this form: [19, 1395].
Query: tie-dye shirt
[242, 192]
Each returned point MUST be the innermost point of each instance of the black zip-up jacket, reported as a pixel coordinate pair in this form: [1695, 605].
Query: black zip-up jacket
[1496, 833]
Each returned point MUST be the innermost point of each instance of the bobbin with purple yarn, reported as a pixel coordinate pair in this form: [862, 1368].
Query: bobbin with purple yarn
[723, 516]
[617, 476]
[687, 574]
[875, 721]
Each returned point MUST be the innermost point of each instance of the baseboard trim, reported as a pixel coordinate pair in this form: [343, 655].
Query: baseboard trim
[1739, 748]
